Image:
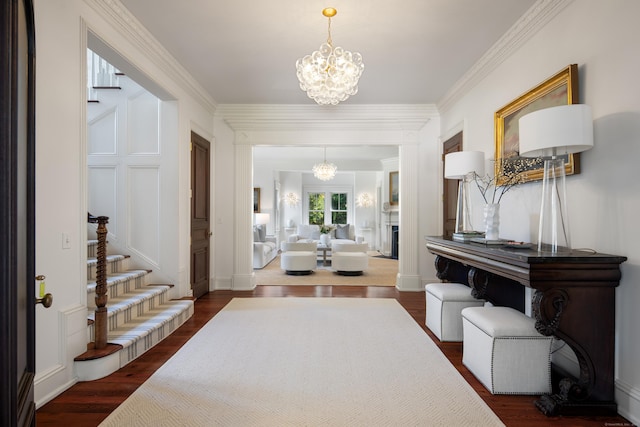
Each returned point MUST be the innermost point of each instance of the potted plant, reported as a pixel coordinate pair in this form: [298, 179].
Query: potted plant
[325, 237]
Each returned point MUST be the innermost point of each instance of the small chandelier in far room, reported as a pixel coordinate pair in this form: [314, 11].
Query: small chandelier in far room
[324, 171]
[330, 75]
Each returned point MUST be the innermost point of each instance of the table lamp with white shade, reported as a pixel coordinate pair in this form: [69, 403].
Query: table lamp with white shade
[551, 134]
[462, 165]
[262, 219]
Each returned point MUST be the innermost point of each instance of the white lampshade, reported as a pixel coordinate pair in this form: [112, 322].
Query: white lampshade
[556, 131]
[459, 164]
[551, 133]
[262, 218]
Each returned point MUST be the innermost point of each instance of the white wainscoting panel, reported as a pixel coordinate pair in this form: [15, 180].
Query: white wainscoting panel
[143, 110]
[102, 133]
[103, 181]
[144, 207]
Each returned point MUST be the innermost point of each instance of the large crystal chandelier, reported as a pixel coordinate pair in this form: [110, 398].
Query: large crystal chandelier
[324, 171]
[330, 75]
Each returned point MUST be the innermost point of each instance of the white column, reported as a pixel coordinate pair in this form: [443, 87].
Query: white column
[243, 275]
[408, 275]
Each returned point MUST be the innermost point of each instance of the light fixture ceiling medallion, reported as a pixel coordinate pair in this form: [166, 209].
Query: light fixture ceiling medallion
[324, 171]
[330, 75]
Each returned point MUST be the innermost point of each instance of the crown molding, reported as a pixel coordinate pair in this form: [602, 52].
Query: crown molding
[281, 117]
[529, 24]
[126, 24]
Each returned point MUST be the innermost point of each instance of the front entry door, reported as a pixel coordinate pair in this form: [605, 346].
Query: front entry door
[450, 188]
[17, 219]
[200, 222]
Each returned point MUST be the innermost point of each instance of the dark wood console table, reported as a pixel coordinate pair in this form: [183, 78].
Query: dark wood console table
[574, 301]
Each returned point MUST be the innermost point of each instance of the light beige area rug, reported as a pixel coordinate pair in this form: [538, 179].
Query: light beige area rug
[381, 272]
[307, 362]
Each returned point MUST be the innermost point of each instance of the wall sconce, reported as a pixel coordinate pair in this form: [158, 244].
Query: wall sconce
[364, 200]
[291, 199]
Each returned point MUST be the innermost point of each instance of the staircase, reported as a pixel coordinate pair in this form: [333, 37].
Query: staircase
[139, 316]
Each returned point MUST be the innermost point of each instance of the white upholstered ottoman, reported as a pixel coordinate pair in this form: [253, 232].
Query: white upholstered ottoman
[444, 302]
[502, 348]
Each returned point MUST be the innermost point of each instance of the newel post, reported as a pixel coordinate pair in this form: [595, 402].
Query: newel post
[100, 325]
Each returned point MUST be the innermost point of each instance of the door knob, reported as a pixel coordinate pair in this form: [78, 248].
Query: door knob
[46, 300]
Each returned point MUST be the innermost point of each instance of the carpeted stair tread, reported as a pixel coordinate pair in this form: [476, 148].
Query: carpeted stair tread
[142, 326]
[116, 304]
[119, 277]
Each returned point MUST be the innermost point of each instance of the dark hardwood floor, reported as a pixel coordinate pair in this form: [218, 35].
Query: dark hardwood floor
[88, 403]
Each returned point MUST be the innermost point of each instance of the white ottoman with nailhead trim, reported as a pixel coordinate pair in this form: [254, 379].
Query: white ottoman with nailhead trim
[444, 302]
[502, 348]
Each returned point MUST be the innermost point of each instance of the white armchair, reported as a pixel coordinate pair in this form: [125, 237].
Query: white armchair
[349, 259]
[298, 258]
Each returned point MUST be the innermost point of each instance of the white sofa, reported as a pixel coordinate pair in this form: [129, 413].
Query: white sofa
[265, 248]
[306, 233]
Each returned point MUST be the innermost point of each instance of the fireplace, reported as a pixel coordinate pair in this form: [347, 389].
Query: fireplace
[395, 237]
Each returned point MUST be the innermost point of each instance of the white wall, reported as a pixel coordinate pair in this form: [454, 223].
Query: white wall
[602, 38]
[61, 202]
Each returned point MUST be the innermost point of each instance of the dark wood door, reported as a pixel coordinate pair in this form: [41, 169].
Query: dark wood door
[450, 188]
[200, 222]
[17, 220]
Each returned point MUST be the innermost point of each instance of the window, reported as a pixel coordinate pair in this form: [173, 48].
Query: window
[339, 208]
[316, 208]
[328, 206]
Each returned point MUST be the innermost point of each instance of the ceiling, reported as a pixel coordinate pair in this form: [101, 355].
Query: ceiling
[244, 51]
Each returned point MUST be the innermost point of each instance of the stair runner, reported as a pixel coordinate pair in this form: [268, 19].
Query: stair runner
[139, 315]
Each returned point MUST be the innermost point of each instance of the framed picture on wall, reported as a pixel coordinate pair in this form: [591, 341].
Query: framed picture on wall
[560, 89]
[394, 188]
[256, 200]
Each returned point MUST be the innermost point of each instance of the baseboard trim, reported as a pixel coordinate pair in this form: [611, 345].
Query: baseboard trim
[409, 283]
[222, 284]
[53, 393]
[628, 400]
[243, 282]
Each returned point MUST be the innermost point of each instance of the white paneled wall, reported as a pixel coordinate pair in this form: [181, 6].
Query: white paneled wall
[125, 168]
[144, 212]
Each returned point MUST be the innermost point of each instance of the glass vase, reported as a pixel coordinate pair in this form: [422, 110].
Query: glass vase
[492, 221]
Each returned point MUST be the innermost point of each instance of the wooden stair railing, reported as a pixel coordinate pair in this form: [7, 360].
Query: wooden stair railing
[100, 323]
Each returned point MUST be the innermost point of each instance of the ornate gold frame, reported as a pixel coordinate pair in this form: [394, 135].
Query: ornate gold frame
[560, 89]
